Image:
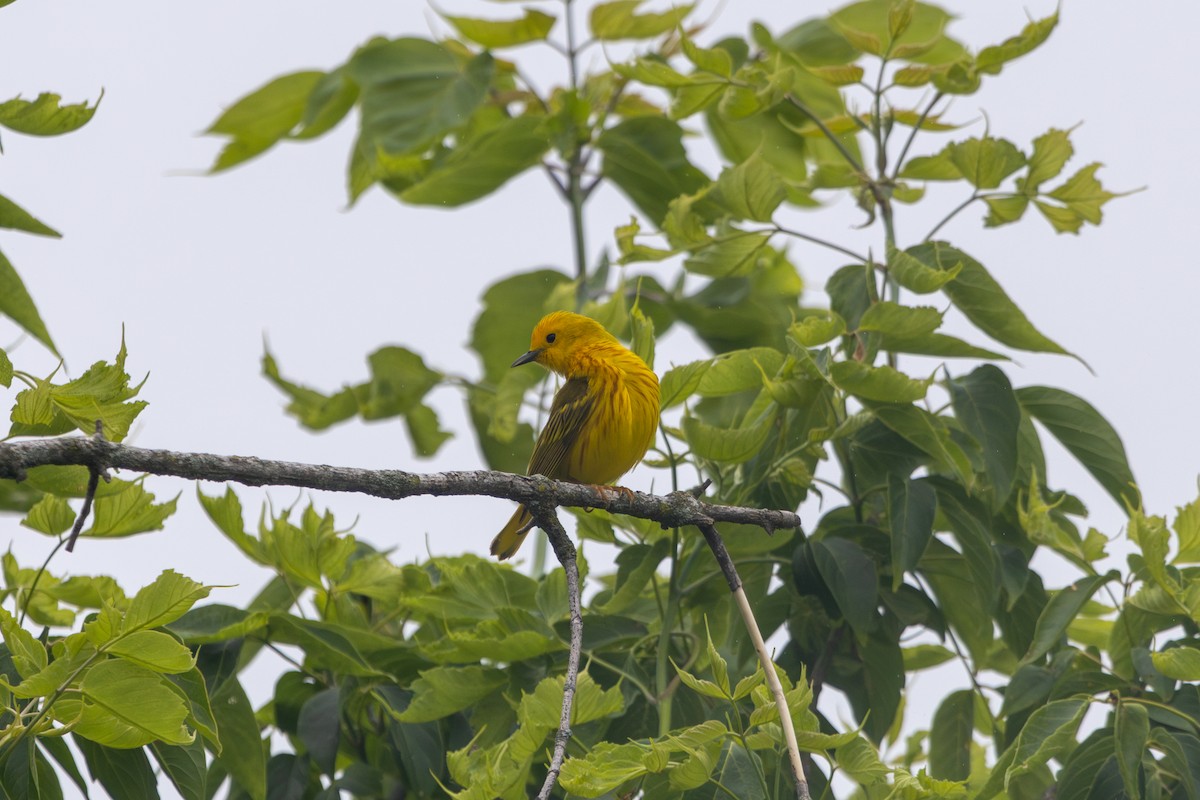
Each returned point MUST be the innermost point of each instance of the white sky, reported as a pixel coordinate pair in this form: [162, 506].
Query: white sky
[199, 269]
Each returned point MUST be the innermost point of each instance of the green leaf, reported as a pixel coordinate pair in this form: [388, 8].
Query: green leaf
[17, 305]
[144, 708]
[50, 515]
[644, 156]
[816, 330]
[938, 167]
[413, 92]
[242, 755]
[122, 773]
[678, 383]
[1187, 530]
[441, 691]
[938, 344]
[1060, 612]
[163, 601]
[533, 27]
[727, 445]
[1087, 435]
[987, 408]
[27, 653]
[481, 165]
[739, 371]
[328, 104]
[185, 766]
[13, 217]
[894, 319]
[511, 308]
[618, 19]
[883, 384]
[153, 650]
[319, 727]
[924, 656]
[986, 162]
[950, 736]
[716, 60]
[45, 115]
[6, 370]
[850, 575]
[1064, 220]
[192, 686]
[733, 255]
[1178, 663]
[991, 59]
[1051, 151]
[911, 506]
[1083, 194]
[751, 190]
[976, 293]
[914, 275]
[1049, 732]
[701, 686]
[1131, 733]
[1005, 210]
[636, 565]
[260, 119]
[129, 512]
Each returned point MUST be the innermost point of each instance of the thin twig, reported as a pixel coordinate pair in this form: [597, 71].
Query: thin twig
[95, 470]
[564, 550]
[822, 242]
[913, 134]
[717, 545]
[675, 509]
[854, 163]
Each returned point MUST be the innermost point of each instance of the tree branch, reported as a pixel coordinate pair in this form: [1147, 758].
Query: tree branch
[717, 545]
[548, 521]
[675, 509]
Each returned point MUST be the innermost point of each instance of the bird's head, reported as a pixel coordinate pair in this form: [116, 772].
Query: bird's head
[558, 339]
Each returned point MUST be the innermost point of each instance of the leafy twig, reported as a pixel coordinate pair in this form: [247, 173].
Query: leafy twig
[717, 545]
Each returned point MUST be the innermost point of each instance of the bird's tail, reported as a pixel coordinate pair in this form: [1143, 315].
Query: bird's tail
[509, 540]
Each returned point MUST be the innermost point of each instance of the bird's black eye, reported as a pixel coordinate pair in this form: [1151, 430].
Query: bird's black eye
[550, 337]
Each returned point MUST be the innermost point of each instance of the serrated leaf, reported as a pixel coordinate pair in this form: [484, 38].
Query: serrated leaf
[1083, 194]
[986, 162]
[534, 26]
[751, 190]
[1051, 151]
[678, 383]
[45, 115]
[143, 707]
[163, 601]
[50, 515]
[991, 59]
[816, 330]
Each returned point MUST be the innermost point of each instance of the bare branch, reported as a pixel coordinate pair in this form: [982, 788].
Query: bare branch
[547, 520]
[675, 509]
[717, 545]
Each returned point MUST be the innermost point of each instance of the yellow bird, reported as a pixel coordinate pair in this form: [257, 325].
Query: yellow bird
[603, 418]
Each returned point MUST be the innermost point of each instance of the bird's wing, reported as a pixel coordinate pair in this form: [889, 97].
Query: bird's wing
[568, 415]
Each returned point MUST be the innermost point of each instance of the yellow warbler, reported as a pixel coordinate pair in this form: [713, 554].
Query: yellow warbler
[601, 421]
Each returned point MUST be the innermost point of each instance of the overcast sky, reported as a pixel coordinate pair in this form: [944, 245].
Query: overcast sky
[200, 269]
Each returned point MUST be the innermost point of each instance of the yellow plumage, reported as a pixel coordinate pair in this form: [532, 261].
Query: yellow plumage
[603, 418]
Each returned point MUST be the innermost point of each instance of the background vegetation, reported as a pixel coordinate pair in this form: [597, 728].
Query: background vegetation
[441, 676]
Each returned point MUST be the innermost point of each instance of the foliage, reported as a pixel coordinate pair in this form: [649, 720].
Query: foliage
[443, 678]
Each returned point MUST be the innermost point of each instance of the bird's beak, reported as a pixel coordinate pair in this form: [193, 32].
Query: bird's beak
[527, 358]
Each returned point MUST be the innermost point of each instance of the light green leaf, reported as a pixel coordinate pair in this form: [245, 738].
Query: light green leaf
[678, 383]
[45, 115]
[751, 190]
[644, 156]
[163, 601]
[50, 515]
[727, 445]
[28, 654]
[618, 19]
[986, 162]
[914, 275]
[154, 650]
[260, 119]
[733, 255]
[1179, 663]
[815, 329]
[701, 686]
[716, 60]
[738, 371]
[1083, 194]
[1187, 530]
[533, 27]
[13, 217]
[938, 344]
[1005, 210]
[938, 167]
[923, 656]
[137, 698]
[6, 370]
[1051, 151]
[906, 322]
[991, 59]
[883, 384]
[441, 691]
[129, 512]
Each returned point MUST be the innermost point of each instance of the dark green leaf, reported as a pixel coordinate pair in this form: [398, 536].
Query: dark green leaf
[185, 766]
[982, 300]
[1131, 733]
[1049, 733]
[987, 408]
[441, 691]
[950, 736]
[850, 575]
[645, 158]
[1061, 611]
[1087, 435]
[911, 506]
[320, 728]
[242, 755]
[882, 384]
[123, 773]
[481, 165]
